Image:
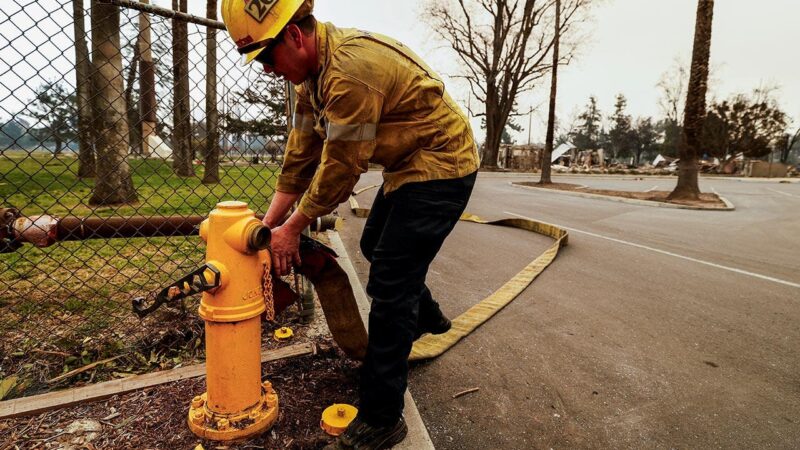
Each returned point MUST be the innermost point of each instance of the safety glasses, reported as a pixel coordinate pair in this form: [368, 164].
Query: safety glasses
[266, 55]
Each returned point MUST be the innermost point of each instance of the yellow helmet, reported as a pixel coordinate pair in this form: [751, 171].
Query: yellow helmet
[253, 23]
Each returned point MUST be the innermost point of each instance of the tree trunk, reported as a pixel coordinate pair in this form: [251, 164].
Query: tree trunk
[494, 130]
[551, 114]
[83, 94]
[147, 83]
[134, 128]
[787, 150]
[492, 147]
[211, 174]
[695, 111]
[114, 184]
[181, 131]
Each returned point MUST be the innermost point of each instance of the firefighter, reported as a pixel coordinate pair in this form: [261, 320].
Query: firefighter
[365, 98]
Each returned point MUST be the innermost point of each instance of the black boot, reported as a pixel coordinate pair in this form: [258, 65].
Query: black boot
[432, 321]
[361, 436]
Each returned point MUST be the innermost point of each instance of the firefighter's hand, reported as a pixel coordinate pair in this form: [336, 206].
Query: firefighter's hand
[285, 249]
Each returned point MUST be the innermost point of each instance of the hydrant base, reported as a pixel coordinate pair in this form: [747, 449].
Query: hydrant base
[221, 427]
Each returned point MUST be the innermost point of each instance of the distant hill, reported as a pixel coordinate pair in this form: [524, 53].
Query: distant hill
[17, 133]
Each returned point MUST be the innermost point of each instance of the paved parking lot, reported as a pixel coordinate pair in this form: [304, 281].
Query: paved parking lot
[654, 328]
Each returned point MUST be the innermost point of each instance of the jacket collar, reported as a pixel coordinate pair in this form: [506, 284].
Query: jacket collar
[322, 46]
[312, 84]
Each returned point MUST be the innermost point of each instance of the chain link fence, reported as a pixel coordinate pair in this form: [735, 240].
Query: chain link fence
[99, 120]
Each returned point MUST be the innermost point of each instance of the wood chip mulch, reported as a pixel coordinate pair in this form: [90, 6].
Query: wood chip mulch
[155, 418]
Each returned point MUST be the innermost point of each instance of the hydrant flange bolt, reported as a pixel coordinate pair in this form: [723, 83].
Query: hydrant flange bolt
[197, 402]
[198, 417]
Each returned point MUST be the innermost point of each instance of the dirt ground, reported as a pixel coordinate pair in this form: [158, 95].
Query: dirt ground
[706, 200]
[155, 418]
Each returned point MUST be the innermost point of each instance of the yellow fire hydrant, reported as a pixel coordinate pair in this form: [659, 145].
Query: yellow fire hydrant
[237, 404]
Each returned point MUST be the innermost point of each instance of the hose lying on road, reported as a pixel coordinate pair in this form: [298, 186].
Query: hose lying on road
[431, 346]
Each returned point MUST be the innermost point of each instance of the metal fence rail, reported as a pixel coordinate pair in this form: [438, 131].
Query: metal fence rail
[146, 149]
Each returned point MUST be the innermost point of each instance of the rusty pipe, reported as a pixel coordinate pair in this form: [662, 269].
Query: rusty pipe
[45, 230]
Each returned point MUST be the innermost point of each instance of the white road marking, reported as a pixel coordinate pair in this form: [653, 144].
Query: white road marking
[664, 252]
[652, 189]
[781, 192]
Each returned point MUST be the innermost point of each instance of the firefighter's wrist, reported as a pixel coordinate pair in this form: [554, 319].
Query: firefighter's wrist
[298, 222]
[272, 222]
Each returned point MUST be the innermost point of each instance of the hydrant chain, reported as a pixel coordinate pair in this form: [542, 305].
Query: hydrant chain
[269, 302]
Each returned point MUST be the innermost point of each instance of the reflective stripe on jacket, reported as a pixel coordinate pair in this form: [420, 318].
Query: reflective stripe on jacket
[374, 101]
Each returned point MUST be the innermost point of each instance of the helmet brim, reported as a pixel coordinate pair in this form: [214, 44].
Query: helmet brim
[247, 58]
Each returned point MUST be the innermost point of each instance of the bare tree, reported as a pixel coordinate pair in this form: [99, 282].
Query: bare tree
[181, 126]
[83, 94]
[503, 45]
[672, 102]
[211, 174]
[114, 184]
[147, 83]
[673, 91]
[551, 112]
[694, 114]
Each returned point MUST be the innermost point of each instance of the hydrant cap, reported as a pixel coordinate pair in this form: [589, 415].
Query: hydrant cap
[337, 417]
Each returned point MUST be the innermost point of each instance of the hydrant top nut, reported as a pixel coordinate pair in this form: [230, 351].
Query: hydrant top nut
[231, 204]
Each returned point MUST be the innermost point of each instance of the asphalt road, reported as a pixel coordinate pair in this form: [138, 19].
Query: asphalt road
[654, 328]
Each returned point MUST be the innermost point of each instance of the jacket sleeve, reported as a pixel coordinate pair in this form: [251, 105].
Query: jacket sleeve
[352, 112]
[303, 149]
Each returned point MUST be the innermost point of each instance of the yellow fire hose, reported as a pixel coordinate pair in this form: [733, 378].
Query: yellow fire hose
[431, 346]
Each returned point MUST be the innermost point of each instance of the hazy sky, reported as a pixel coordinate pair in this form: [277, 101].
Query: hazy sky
[632, 43]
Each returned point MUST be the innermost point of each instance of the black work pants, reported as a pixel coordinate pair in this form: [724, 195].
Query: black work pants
[402, 235]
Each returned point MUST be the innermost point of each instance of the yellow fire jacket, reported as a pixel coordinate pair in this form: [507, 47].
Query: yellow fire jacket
[375, 101]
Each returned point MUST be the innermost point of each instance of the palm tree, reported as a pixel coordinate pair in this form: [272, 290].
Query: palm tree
[695, 111]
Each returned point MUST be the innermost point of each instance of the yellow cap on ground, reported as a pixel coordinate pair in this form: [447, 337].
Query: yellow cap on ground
[283, 333]
[337, 417]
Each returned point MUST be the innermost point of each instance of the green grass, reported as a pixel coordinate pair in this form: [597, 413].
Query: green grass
[74, 297]
[40, 184]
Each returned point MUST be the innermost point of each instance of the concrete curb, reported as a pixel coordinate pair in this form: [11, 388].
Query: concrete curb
[418, 437]
[620, 176]
[728, 205]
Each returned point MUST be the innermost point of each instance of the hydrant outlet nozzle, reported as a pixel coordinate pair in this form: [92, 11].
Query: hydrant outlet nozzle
[259, 239]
